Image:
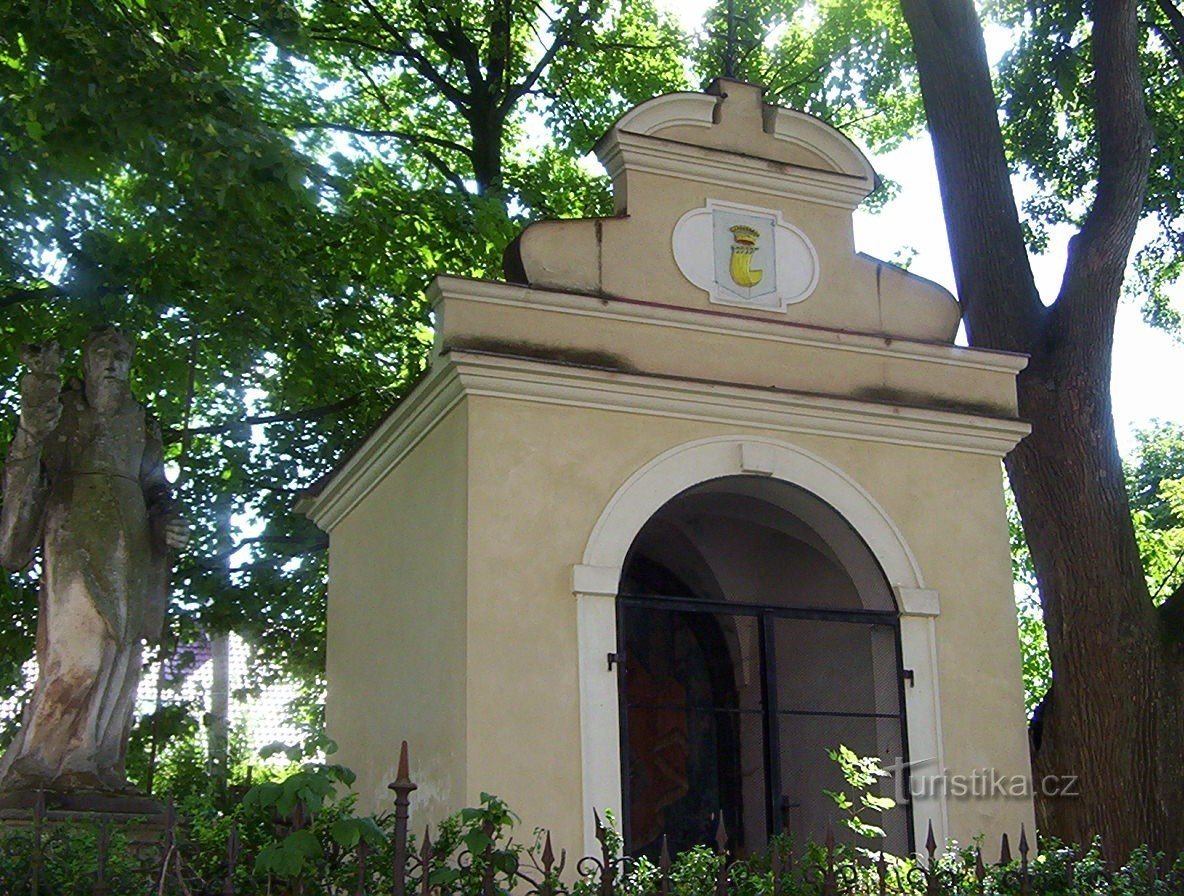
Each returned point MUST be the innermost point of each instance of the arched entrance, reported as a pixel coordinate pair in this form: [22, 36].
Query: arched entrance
[756, 631]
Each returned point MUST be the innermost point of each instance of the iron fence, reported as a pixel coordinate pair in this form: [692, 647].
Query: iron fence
[126, 857]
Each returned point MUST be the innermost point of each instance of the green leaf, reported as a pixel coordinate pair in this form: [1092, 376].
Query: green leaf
[878, 803]
[477, 841]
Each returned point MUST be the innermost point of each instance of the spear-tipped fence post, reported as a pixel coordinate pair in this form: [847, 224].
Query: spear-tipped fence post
[980, 871]
[882, 873]
[829, 886]
[547, 888]
[931, 887]
[1005, 851]
[1025, 880]
[608, 869]
[403, 787]
[426, 853]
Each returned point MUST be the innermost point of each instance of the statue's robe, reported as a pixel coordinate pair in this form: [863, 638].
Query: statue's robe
[93, 496]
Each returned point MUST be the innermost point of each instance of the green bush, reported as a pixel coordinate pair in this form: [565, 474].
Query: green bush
[302, 834]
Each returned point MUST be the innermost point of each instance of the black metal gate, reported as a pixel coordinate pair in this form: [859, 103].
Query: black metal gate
[728, 710]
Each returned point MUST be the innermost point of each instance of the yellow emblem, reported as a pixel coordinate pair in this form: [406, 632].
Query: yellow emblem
[743, 246]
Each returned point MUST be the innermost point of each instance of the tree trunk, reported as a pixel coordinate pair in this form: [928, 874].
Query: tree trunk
[487, 126]
[1110, 721]
[1111, 724]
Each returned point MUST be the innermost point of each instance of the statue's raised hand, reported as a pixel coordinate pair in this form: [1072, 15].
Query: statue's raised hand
[41, 387]
[176, 532]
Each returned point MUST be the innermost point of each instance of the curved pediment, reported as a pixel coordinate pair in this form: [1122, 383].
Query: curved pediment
[732, 118]
[796, 137]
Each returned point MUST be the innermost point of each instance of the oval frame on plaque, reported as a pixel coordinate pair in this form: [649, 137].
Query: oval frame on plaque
[745, 256]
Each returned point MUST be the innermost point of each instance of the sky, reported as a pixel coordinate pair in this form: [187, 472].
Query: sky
[1148, 363]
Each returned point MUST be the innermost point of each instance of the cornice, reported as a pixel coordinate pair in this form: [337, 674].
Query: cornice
[471, 373]
[499, 376]
[632, 311]
[426, 405]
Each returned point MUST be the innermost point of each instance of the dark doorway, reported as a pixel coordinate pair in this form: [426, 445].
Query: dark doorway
[758, 632]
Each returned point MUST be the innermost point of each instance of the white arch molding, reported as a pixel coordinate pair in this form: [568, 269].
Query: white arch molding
[596, 579]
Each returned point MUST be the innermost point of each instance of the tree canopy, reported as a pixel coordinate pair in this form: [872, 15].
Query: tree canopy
[260, 192]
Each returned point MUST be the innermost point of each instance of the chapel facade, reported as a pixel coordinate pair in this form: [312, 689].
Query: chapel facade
[694, 496]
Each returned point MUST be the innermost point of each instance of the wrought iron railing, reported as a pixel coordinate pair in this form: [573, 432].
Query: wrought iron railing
[122, 858]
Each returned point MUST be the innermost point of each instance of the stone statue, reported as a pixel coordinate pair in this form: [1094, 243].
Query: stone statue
[84, 480]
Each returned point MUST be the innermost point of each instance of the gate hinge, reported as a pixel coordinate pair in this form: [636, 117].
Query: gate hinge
[617, 659]
[907, 675]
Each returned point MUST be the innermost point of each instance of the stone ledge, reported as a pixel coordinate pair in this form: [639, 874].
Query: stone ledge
[20, 805]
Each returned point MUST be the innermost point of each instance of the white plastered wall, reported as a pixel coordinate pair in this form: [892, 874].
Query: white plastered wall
[595, 581]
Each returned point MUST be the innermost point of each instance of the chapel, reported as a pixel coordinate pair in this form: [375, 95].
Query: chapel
[693, 496]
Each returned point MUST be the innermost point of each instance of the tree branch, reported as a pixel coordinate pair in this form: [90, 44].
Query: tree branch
[576, 15]
[335, 37]
[448, 173]
[319, 541]
[1167, 578]
[524, 86]
[416, 140]
[382, 133]
[452, 38]
[1171, 614]
[1000, 302]
[1098, 254]
[500, 48]
[173, 434]
[1175, 40]
[375, 88]
[1169, 40]
[418, 61]
[19, 295]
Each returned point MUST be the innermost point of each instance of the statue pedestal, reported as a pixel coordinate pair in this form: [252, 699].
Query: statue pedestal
[24, 805]
[143, 823]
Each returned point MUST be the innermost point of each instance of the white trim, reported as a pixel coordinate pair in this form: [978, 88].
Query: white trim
[492, 292]
[595, 579]
[917, 601]
[499, 376]
[631, 507]
[676, 470]
[757, 458]
[418, 414]
[668, 111]
[787, 125]
[600, 746]
[814, 135]
[707, 166]
[922, 704]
